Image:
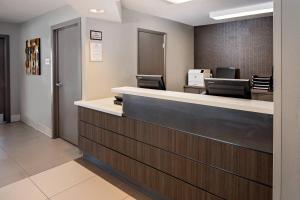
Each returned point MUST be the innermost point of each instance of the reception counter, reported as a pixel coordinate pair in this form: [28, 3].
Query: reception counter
[182, 146]
[198, 99]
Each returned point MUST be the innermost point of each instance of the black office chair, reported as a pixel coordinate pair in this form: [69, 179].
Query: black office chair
[227, 72]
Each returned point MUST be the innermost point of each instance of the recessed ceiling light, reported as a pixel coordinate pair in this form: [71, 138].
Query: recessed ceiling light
[93, 10]
[178, 1]
[243, 11]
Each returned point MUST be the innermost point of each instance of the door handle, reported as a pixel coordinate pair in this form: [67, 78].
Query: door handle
[59, 84]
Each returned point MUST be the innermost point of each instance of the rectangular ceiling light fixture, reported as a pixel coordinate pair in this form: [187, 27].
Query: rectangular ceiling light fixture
[243, 11]
[178, 1]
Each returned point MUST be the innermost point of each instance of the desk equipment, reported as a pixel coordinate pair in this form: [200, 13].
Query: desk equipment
[118, 100]
[262, 83]
[239, 88]
[151, 82]
[196, 77]
[194, 89]
[229, 72]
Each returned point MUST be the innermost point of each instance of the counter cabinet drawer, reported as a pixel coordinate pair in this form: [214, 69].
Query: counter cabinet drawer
[107, 121]
[215, 181]
[247, 163]
[167, 186]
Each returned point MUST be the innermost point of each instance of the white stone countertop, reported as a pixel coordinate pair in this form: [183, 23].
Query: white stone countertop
[215, 101]
[103, 105]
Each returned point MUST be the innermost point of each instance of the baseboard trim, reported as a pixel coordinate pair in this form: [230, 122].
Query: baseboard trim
[38, 126]
[1, 118]
[15, 118]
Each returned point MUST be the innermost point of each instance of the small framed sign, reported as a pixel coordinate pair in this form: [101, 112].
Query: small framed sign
[95, 35]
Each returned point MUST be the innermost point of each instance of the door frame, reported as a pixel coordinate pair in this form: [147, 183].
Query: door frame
[7, 109]
[54, 79]
[165, 50]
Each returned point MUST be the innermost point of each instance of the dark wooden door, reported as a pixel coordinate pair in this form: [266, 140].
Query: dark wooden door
[2, 79]
[151, 53]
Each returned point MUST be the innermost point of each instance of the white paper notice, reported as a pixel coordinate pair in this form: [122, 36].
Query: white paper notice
[96, 51]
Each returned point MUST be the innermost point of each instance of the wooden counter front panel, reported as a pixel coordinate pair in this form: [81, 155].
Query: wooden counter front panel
[149, 177]
[210, 179]
[250, 164]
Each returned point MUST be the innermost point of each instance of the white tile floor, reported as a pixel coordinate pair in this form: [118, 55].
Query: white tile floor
[70, 181]
[35, 167]
[25, 151]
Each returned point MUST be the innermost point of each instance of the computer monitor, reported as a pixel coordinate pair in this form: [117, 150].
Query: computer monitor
[227, 72]
[239, 88]
[151, 82]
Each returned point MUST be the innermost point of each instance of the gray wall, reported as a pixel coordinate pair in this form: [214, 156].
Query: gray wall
[119, 66]
[120, 59]
[290, 100]
[277, 102]
[35, 99]
[13, 31]
[287, 100]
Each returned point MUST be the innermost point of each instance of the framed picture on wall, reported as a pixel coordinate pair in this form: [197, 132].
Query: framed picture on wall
[33, 57]
[95, 35]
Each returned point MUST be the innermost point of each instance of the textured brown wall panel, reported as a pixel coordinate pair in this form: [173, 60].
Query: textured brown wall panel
[246, 45]
[167, 186]
[253, 165]
[202, 176]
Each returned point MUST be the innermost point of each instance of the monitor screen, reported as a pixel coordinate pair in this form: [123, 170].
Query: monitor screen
[151, 82]
[229, 73]
[239, 88]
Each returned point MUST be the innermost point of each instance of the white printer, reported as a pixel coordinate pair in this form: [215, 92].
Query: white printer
[196, 77]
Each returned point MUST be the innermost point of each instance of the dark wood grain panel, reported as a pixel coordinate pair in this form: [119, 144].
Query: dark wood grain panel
[210, 179]
[5, 78]
[149, 177]
[246, 45]
[2, 77]
[246, 163]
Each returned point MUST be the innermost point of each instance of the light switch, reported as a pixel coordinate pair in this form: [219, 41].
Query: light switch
[47, 61]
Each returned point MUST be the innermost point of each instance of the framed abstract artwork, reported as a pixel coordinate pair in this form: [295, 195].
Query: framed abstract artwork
[33, 57]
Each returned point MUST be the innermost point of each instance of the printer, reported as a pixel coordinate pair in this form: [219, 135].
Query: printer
[196, 77]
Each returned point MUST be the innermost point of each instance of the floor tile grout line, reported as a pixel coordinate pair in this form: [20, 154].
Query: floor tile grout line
[126, 197]
[17, 163]
[26, 173]
[76, 184]
[38, 188]
[15, 160]
[49, 197]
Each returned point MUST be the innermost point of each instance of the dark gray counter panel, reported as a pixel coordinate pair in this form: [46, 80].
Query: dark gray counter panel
[246, 129]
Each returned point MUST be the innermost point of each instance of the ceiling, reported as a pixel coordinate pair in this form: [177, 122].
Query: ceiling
[112, 8]
[192, 13]
[16, 11]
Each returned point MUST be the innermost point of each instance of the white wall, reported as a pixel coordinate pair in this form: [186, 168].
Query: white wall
[13, 31]
[287, 101]
[36, 97]
[119, 66]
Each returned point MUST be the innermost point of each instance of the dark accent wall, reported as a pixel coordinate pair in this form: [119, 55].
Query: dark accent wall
[246, 45]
